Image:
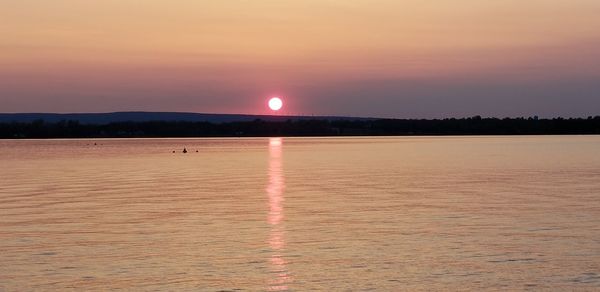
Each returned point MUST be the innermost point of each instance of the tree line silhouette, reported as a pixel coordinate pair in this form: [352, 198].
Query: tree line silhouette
[304, 127]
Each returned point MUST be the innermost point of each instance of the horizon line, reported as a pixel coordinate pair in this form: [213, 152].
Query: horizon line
[294, 116]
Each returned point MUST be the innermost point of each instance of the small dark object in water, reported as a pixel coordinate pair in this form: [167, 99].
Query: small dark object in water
[196, 151]
[173, 151]
[95, 144]
[184, 150]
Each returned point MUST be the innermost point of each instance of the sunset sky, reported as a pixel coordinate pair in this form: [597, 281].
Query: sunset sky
[386, 58]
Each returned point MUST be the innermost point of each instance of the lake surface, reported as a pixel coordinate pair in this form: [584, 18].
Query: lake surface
[272, 214]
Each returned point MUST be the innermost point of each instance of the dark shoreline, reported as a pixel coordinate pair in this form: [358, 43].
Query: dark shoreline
[40, 129]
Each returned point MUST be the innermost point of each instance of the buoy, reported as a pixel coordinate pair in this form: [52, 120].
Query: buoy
[184, 150]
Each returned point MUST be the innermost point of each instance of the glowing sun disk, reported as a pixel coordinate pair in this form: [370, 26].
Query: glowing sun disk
[275, 103]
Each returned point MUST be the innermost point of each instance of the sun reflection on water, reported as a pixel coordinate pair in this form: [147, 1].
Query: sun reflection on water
[278, 265]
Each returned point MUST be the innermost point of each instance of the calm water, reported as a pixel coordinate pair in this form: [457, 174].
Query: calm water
[418, 213]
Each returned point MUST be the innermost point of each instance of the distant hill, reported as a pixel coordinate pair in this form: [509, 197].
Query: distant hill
[157, 125]
[106, 118]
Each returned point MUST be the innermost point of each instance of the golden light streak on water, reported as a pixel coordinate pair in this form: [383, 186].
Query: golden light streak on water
[275, 191]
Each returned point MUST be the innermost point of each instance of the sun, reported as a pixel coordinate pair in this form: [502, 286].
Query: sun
[275, 103]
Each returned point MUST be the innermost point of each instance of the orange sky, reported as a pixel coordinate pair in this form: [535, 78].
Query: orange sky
[225, 56]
